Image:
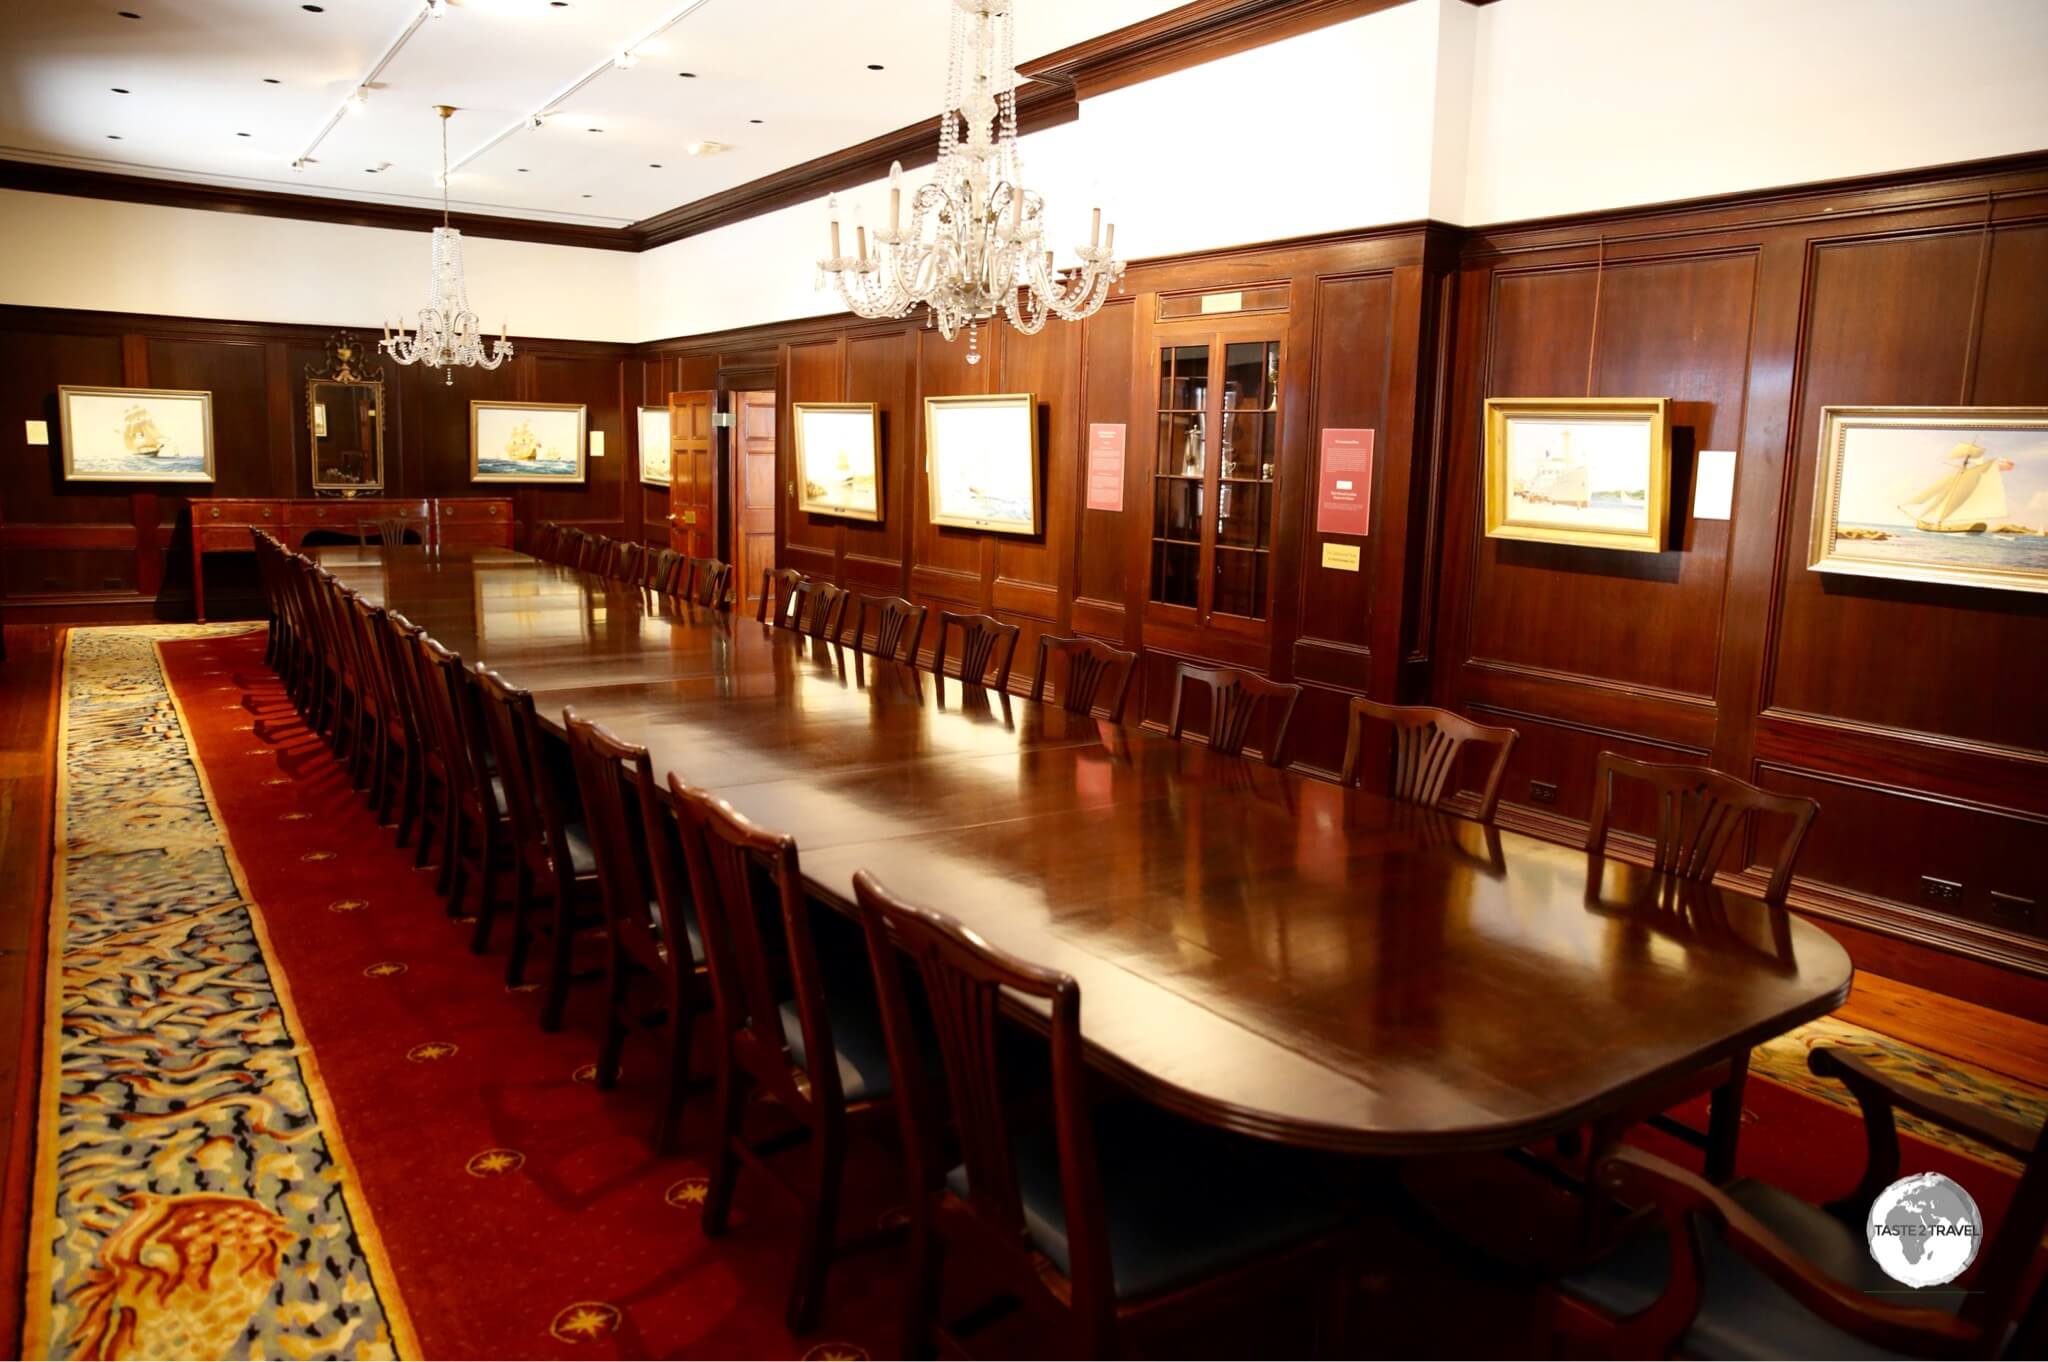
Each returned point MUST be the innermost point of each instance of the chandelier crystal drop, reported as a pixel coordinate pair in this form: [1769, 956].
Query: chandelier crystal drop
[448, 336]
[985, 254]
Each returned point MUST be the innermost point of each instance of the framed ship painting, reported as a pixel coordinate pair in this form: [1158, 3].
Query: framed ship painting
[1590, 471]
[136, 434]
[981, 462]
[654, 445]
[1933, 494]
[838, 471]
[527, 442]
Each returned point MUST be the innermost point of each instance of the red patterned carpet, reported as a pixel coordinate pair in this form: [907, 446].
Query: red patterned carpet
[522, 1212]
[520, 1209]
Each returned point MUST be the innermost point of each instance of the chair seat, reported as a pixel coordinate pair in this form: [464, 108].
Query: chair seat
[1182, 1201]
[856, 1022]
[1743, 1313]
[690, 930]
[582, 855]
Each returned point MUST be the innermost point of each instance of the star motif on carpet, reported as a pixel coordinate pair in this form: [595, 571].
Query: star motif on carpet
[347, 905]
[299, 816]
[432, 1050]
[318, 856]
[385, 969]
[278, 780]
[688, 1193]
[587, 1073]
[245, 728]
[837, 1352]
[585, 1320]
[522, 988]
[494, 1163]
[260, 752]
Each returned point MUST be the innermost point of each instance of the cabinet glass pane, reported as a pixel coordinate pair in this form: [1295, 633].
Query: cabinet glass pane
[1179, 462]
[1247, 449]
[1176, 573]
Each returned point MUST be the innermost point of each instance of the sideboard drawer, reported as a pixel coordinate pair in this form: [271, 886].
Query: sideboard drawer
[477, 521]
[208, 513]
[346, 513]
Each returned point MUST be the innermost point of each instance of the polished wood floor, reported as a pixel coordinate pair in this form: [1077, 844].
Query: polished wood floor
[1947, 1026]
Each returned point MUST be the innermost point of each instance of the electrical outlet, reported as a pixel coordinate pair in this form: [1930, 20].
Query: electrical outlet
[1542, 792]
[1941, 891]
[2013, 910]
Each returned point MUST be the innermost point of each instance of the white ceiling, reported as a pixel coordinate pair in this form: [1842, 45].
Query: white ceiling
[196, 72]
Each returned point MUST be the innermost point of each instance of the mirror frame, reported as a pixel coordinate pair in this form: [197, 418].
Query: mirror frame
[376, 387]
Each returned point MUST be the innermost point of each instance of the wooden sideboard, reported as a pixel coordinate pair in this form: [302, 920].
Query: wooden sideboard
[223, 525]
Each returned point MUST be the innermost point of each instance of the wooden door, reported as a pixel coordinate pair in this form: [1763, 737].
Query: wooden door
[753, 500]
[692, 487]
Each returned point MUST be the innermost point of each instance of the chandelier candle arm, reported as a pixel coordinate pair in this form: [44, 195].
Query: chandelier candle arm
[985, 256]
[449, 335]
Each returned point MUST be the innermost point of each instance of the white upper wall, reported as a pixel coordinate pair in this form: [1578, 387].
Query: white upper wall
[1579, 105]
[57, 251]
[1523, 108]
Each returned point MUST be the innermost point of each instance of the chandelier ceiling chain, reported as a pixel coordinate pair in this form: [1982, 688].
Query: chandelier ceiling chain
[448, 335]
[986, 254]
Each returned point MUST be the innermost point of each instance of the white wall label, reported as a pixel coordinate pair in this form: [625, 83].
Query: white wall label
[1713, 485]
[597, 444]
[38, 432]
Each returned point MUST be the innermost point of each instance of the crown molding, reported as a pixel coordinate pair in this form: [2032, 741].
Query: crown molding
[38, 178]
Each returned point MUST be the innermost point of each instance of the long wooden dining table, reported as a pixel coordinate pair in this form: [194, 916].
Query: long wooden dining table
[1255, 949]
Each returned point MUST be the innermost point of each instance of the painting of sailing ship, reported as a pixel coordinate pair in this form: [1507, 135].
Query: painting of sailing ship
[136, 434]
[1945, 494]
[1585, 471]
[837, 468]
[526, 442]
[981, 462]
[655, 449]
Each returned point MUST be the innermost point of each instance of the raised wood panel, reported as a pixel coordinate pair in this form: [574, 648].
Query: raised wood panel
[1101, 562]
[1048, 366]
[878, 370]
[1354, 346]
[594, 381]
[816, 374]
[1666, 328]
[1984, 851]
[1890, 322]
[1562, 755]
[943, 371]
[36, 363]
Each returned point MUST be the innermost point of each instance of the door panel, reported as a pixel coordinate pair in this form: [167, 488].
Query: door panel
[753, 531]
[692, 488]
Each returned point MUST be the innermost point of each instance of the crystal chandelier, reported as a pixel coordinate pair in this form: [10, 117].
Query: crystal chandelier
[448, 334]
[986, 252]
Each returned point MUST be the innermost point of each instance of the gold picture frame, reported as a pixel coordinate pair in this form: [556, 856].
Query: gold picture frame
[1610, 492]
[1952, 495]
[981, 462]
[556, 450]
[135, 434]
[848, 437]
[657, 448]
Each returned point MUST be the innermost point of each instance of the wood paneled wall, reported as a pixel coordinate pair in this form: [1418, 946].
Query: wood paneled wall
[96, 551]
[1915, 714]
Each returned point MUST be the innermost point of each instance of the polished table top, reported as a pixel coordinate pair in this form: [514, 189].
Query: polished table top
[1255, 949]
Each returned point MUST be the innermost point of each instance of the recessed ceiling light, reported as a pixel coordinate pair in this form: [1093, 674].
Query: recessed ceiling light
[272, 80]
[558, 4]
[755, 120]
[113, 137]
[654, 165]
[687, 75]
[117, 89]
[314, 9]
[874, 66]
[127, 14]
[522, 170]
[241, 134]
[597, 129]
[586, 196]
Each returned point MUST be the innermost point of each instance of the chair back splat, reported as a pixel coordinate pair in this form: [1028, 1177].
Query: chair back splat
[1426, 742]
[1699, 811]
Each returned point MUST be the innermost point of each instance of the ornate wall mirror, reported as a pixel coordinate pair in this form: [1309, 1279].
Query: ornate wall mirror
[345, 415]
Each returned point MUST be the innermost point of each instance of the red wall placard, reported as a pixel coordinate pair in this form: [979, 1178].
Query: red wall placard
[1344, 483]
[1106, 467]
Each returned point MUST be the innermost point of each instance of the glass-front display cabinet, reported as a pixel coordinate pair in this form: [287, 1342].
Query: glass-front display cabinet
[1214, 491]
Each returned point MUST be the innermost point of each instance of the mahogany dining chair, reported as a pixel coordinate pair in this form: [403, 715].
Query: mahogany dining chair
[1423, 760]
[899, 627]
[1235, 701]
[987, 648]
[1092, 667]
